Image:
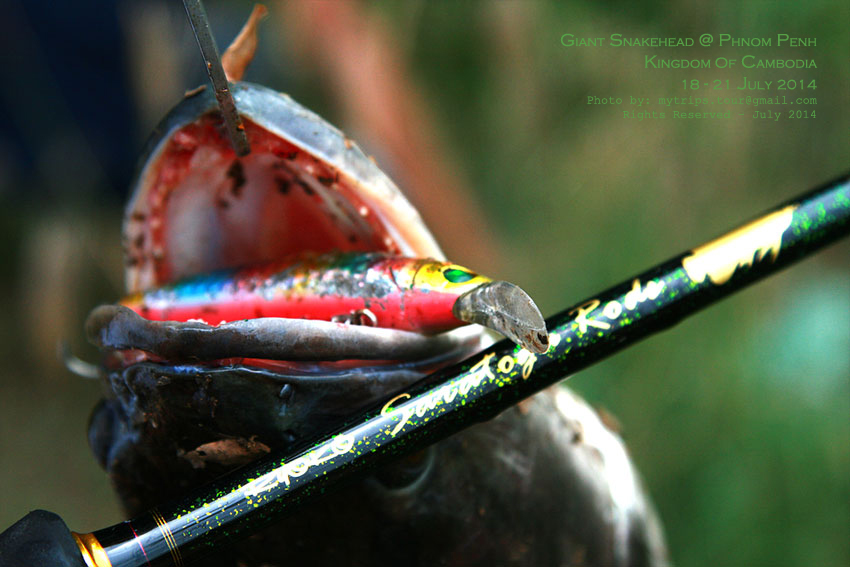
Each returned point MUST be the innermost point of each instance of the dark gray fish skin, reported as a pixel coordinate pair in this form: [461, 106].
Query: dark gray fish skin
[545, 483]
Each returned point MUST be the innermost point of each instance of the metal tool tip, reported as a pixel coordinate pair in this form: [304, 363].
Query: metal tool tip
[209, 51]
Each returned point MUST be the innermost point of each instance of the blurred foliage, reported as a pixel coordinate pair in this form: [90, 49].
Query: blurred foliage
[739, 418]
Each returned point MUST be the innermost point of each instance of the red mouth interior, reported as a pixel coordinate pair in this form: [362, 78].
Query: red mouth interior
[205, 209]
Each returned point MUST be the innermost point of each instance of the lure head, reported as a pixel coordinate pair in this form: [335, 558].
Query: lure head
[445, 277]
[498, 305]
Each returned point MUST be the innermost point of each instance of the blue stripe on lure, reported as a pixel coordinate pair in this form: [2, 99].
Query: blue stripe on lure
[383, 290]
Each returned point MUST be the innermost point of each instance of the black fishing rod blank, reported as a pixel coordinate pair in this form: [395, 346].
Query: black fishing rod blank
[443, 403]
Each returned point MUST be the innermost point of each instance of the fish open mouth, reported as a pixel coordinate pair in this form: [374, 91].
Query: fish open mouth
[304, 189]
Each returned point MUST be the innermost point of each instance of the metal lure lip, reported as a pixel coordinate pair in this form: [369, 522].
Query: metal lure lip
[507, 309]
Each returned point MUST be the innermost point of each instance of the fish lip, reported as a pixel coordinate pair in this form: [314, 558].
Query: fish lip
[506, 309]
[115, 327]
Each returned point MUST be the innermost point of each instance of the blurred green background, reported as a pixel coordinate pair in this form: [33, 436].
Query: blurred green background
[739, 418]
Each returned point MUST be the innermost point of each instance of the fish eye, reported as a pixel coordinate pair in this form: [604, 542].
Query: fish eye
[456, 275]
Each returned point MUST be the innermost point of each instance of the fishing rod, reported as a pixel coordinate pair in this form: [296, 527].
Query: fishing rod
[445, 402]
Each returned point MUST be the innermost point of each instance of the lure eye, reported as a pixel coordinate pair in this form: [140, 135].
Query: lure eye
[455, 275]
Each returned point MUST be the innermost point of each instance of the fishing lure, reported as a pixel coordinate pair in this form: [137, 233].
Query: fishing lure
[378, 289]
[291, 310]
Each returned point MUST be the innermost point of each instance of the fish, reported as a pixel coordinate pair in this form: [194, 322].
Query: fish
[196, 383]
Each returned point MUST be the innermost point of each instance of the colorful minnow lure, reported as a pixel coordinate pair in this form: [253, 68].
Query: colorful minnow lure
[374, 289]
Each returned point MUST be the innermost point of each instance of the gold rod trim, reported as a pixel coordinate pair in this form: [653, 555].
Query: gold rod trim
[92, 551]
[168, 536]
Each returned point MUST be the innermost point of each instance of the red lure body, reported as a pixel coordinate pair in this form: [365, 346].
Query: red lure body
[398, 292]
